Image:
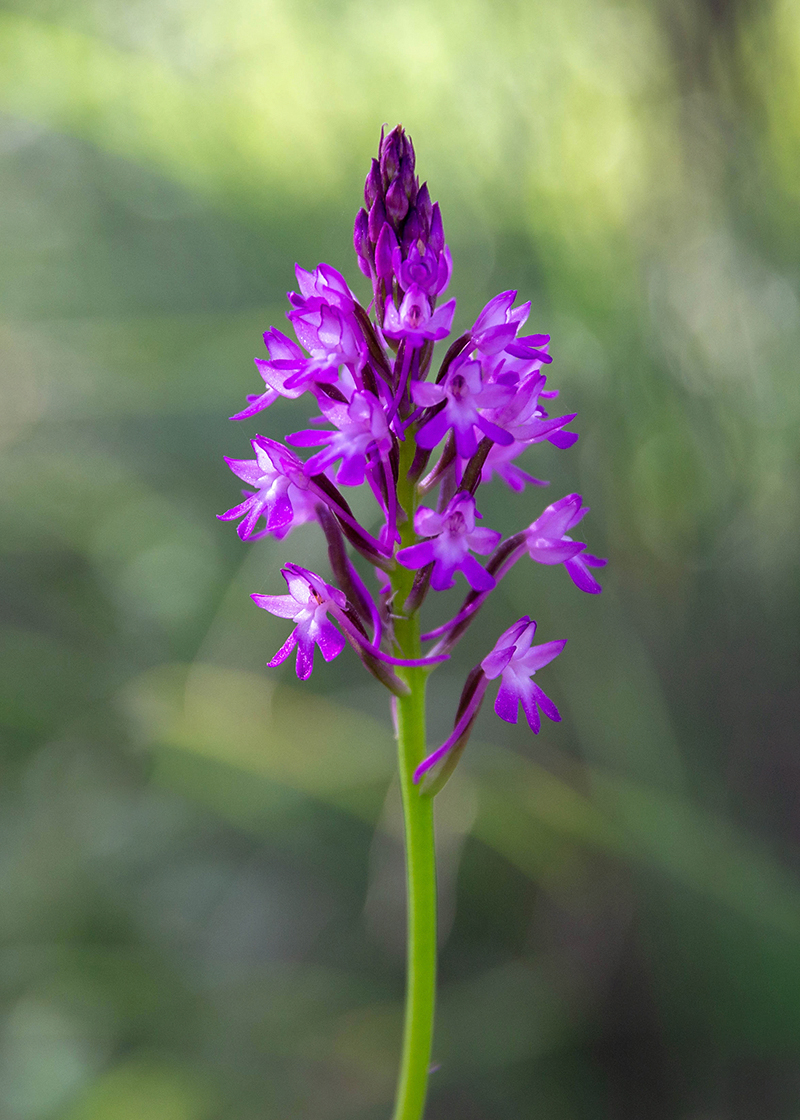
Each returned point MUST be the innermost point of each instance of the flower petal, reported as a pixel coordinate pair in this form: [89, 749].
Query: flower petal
[417, 555]
[305, 657]
[477, 577]
[539, 656]
[581, 576]
[329, 640]
[507, 703]
[546, 550]
[284, 651]
[284, 606]
[528, 701]
[545, 703]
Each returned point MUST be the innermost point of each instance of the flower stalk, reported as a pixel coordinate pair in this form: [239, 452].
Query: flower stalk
[421, 904]
[418, 830]
[379, 419]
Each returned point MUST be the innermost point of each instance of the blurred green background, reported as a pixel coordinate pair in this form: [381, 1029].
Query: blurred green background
[201, 911]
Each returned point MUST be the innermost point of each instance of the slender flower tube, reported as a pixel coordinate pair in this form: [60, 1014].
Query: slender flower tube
[381, 407]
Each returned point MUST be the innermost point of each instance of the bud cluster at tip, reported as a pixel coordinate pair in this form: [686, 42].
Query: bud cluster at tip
[398, 235]
[378, 418]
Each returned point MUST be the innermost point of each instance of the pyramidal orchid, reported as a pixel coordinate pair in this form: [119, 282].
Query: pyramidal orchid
[380, 411]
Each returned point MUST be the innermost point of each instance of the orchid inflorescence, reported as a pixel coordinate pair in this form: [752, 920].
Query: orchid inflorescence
[380, 418]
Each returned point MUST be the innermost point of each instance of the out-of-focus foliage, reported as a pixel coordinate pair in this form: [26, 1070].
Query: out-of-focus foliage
[201, 887]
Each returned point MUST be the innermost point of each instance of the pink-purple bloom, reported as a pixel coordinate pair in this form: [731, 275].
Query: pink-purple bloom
[452, 535]
[282, 495]
[325, 284]
[423, 268]
[498, 323]
[547, 542]
[515, 660]
[307, 604]
[466, 399]
[382, 402]
[360, 428]
[414, 320]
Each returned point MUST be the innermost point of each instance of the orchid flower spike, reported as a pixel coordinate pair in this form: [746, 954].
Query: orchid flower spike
[381, 406]
[389, 389]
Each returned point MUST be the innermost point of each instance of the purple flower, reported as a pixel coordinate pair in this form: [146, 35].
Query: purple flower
[516, 660]
[453, 534]
[362, 428]
[307, 604]
[381, 410]
[282, 497]
[497, 324]
[325, 284]
[414, 320]
[330, 335]
[466, 396]
[522, 416]
[285, 361]
[547, 542]
[423, 268]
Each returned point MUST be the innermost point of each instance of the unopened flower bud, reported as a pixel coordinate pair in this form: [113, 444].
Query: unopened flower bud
[361, 240]
[407, 179]
[387, 243]
[377, 218]
[412, 232]
[396, 201]
[373, 187]
[422, 204]
[436, 235]
[390, 155]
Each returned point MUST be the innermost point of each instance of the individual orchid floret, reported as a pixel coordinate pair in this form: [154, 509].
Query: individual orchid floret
[362, 429]
[452, 535]
[330, 335]
[466, 397]
[497, 324]
[288, 372]
[281, 497]
[547, 542]
[286, 359]
[415, 322]
[423, 268]
[515, 660]
[307, 604]
[325, 284]
[523, 417]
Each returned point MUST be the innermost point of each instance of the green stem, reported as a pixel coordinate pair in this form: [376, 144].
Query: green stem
[421, 896]
[420, 852]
